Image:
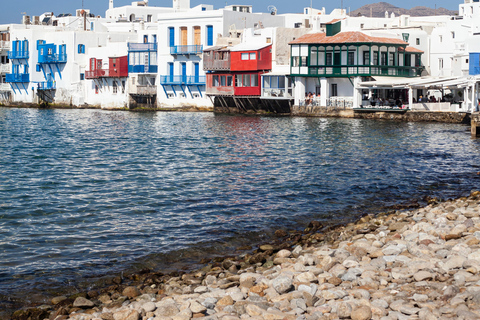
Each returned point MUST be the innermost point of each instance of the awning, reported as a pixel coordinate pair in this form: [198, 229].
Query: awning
[387, 82]
[423, 82]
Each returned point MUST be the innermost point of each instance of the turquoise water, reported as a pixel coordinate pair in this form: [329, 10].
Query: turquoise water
[84, 193]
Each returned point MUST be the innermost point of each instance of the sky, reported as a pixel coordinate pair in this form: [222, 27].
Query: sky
[12, 13]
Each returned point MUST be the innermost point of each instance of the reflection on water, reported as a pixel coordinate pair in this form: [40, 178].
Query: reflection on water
[98, 191]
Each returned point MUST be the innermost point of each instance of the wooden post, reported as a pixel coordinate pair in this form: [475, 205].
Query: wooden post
[474, 127]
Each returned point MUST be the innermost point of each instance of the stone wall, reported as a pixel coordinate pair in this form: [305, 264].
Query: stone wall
[414, 116]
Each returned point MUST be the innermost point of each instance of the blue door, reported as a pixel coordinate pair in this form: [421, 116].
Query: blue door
[197, 72]
[184, 72]
[170, 72]
[171, 36]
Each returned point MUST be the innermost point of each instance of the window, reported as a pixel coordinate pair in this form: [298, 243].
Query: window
[362, 25]
[254, 82]
[366, 58]
[229, 81]
[81, 48]
[38, 68]
[253, 56]
[440, 63]
[246, 80]
[223, 81]
[269, 40]
[383, 61]
[145, 39]
[440, 38]
[149, 18]
[329, 59]
[115, 88]
[215, 81]
[417, 41]
[209, 35]
[408, 60]
[391, 60]
[92, 26]
[82, 76]
[453, 34]
[266, 82]
[245, 56]
[313, 56]
[351, 58]
[417, 60]
[123, 86]
[238, 80]
[333, 90]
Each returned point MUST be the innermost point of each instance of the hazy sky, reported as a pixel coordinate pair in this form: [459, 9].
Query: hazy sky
[12, 12]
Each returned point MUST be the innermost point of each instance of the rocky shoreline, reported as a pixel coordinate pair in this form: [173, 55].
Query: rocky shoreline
[417, 264]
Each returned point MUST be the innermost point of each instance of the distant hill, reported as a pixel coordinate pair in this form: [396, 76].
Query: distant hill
[378, 10]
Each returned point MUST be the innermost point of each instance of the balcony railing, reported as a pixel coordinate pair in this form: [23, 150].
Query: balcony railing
[18, 55]
[184, 50]
[179, 80]
[5, 68]
[5, 45]
[17, 78]
[95, 74]
[277, 93]
[142, 47]
[53, 58]
[142, 69]
[143, 90]
[339, 70]
[46, 85]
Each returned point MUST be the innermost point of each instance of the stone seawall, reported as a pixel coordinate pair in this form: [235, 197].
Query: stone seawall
[414, 116]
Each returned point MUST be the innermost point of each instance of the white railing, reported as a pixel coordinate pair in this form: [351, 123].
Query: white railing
[433, 106]
[340, 102]
[315, 102]
[273, 93]
[5, 45]
[5, 87]
[5, 68]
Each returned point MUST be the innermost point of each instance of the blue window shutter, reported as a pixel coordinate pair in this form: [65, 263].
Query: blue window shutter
[82, 76]
[171, 35]
[197, 68]
[209, 35]
[184, 72]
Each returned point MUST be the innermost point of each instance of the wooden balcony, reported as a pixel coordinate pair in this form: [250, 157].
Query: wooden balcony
[361, 70]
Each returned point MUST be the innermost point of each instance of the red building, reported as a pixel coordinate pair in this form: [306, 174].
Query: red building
[117, 68]
[236, 71]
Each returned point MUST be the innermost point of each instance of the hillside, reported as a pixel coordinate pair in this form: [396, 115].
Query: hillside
[378, 10]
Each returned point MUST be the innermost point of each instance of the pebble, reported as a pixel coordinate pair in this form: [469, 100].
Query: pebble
[418, 264]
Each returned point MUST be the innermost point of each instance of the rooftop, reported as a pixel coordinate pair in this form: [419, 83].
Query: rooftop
[345, 37]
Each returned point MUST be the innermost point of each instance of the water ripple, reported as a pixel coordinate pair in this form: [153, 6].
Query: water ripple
[98, 191]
